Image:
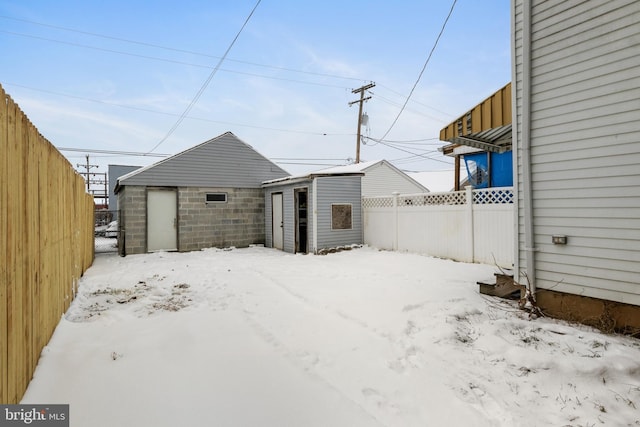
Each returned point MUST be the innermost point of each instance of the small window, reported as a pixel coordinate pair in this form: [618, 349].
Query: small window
[216, 198]
[341, 217]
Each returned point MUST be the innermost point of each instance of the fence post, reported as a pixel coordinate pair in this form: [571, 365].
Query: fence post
[395, 220]
[471, 239]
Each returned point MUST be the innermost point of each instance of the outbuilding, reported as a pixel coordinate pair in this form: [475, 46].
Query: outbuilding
[207, 196]
[314, 212]
[381, 178]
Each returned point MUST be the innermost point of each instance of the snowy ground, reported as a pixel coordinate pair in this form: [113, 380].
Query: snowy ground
[258, 337]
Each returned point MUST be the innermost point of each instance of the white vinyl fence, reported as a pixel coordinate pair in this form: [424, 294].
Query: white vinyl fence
[469, 226]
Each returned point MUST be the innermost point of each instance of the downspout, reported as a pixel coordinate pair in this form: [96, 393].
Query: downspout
[529, 243]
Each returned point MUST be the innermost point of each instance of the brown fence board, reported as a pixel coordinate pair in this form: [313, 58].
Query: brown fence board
[14, 322]
[43, 294]
[4, 178]
[32, 236]
[46, 220]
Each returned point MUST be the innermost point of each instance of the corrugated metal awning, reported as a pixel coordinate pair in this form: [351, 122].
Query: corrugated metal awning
[495, 140]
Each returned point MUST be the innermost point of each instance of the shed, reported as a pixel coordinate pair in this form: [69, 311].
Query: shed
[207, 196]
[577, 137]
[313, 212]
[381, 178]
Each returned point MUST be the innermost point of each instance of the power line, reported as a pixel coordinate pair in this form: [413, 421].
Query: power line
[157, 46]
[411, 142]
[305, 159]
[214, 70]
[423, 156]
[191, 64]
[191, 52]
[422, 71]
[195, 65]
[206, 83]
[395, 104]
[148, 110]
[279, 160]
[306, 164]
[123, 153]
[415, 101]
[173, 61]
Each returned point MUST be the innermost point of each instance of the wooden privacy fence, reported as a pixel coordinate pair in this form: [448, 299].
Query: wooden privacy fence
[46, 224]
[468, 226]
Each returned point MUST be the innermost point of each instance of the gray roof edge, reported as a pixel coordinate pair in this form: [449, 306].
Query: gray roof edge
[146, 168]
[307, 177]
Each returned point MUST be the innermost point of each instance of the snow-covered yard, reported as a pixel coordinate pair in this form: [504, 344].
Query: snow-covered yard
[258, 337]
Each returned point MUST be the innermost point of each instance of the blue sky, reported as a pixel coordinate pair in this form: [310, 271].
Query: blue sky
[117, 75]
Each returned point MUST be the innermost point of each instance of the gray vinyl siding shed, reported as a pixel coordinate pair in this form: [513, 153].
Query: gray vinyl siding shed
[288, 214]
[224, 165]
[323, 192]
[577, 105]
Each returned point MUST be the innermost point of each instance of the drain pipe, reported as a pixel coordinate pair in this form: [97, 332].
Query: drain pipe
[529, 243]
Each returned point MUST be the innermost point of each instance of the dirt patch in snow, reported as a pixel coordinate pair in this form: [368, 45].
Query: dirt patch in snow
[144, 298]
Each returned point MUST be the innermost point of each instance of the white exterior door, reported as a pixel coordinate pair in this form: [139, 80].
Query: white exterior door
[277, 224]
[162, 221]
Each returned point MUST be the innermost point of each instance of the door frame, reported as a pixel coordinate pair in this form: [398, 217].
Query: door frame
[274, 227]
[301, 245]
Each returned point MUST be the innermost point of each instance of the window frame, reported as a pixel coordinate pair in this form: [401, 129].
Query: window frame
[350, 205]
[216, 202]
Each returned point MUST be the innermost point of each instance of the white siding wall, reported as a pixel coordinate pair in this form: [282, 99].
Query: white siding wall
[517, 42]
[382, 180]
[585, 145]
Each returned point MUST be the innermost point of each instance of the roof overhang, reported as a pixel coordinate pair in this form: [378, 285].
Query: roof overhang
[497, 140]
[486, 127]
[305, 178]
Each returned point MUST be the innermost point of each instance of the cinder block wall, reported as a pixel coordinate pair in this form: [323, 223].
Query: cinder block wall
[239, 222]
[132, 200]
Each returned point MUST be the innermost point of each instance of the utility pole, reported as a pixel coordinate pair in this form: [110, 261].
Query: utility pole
[94, 179]
[100, 179]
[361, 91]
[88, 166]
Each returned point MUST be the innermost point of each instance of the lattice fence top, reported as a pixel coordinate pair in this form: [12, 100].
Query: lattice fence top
[453, 198]
[498, 195]
[502, 195]
[377, 202]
